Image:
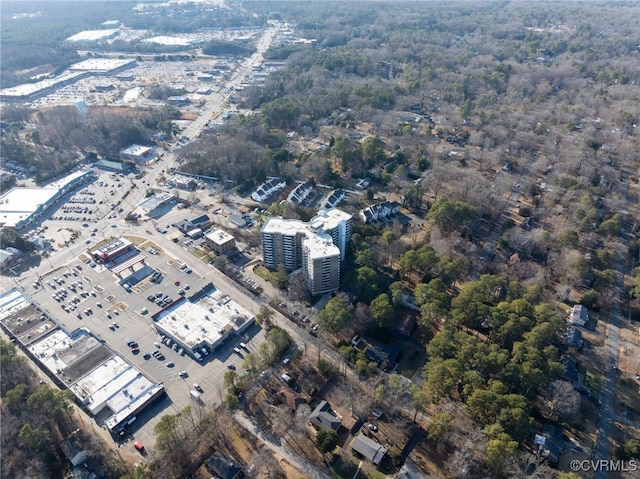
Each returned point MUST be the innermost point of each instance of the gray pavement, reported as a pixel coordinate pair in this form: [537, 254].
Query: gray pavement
[604, 441]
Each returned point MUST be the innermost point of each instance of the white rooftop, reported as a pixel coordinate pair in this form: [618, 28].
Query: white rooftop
[26, 89]
[100, 64]
[320, 246]
[203, 322]
[282, 226]
[181, 41]
[92, 35]
[136, 150]
[328, 219]
[11, 302]
[20, 203]
[219, 236]
[99, 377]
[47, 349]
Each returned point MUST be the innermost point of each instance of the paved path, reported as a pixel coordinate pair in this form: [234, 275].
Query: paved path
[602, 449]
[309, 470]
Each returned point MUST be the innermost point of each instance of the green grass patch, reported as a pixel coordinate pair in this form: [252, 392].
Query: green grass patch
[198, 253]
[263, 272]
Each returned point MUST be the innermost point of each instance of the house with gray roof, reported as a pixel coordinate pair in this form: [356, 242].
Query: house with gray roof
[368, 448]
[323, 417]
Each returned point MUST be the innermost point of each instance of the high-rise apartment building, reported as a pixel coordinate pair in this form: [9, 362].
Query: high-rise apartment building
[318, 246]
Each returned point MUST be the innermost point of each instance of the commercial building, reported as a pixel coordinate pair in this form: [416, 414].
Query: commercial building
[137, 153]
[154, 202]
[95, 66]
[205, 320]
[318, 246]
[220, 241]
[21, 207]
[182, 182]
[112, 250]
[104, 383]
[93, 36]
[107, 165]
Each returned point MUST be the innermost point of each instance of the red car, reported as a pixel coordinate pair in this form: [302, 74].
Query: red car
[139, 446]
[177, 283]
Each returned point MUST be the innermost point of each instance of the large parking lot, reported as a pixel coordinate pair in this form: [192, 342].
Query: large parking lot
[86, 294]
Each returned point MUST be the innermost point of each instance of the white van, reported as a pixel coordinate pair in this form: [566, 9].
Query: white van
[195, 395]
[197, 355]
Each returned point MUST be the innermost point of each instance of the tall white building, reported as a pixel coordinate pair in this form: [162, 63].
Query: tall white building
[319, 247]
[320, 263]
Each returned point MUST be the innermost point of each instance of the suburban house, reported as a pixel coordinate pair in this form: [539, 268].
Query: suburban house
[323, 417]
[265, 190]
[290, 398]
[223, 467]
[368, 448]
[549, 443]
[573, 338]
[578, 315]
[300, 193]
[379, 211]
[333, 199]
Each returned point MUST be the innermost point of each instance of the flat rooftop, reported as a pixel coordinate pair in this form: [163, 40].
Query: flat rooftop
[26, 322]
[320, 246]
[70, 356]
[178, 41]
[19, 203]
[27, 89]
[219, 236]
[93, 35]
[155, 201]
[285, 227]
[99, 377]
[136, 150]
[328, 219]
[206, 321]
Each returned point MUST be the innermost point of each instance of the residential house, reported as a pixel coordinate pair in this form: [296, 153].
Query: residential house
[300, 193]
[549, 443]
[73, 451]
[578, 315]
[323, 417]
[573, 338]
[333, 199]
[379, 211]
[223, 467]
[267, 189]
[368, 448]
[290, 398]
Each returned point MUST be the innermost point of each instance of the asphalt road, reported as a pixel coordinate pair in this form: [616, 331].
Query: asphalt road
[602, 450]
